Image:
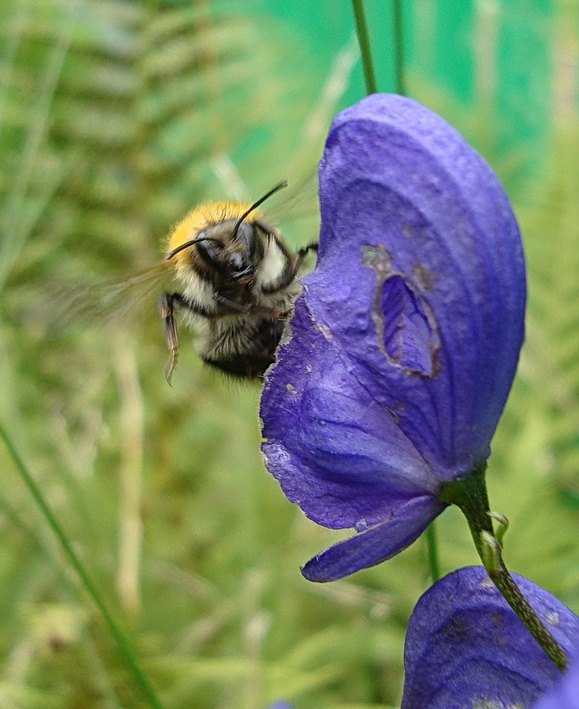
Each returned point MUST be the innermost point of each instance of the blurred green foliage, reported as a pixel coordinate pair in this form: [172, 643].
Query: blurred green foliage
[116, 117]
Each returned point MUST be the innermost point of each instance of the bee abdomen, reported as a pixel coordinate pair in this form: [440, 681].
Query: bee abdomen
[247, 358]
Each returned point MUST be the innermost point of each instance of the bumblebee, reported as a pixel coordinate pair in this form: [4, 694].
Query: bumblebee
[239, 283]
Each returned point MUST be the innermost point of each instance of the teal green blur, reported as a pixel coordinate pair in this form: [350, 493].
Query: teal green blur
[116, 118]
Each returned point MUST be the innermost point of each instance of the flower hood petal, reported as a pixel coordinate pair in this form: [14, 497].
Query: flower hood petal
[420, 277]
[341, 456]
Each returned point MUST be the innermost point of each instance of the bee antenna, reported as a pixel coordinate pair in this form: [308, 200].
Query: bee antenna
[255, 205]
[186, 245]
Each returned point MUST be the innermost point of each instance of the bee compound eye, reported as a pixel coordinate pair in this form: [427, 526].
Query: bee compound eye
[237, 263]
[210, 251]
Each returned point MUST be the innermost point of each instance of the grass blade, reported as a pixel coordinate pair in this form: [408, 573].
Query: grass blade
[119, 636]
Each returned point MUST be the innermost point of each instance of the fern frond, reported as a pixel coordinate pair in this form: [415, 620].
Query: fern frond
[550, 361]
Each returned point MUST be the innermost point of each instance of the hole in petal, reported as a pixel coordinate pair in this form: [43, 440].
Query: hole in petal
[405, 324]
[407, 335]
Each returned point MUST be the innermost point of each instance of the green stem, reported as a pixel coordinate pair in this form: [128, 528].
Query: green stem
[364, 42]
[120, 638]
[432, 550]
[469, 493]
[399, 47]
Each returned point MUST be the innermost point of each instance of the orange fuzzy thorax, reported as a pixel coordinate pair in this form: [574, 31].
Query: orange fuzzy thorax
[203, 216]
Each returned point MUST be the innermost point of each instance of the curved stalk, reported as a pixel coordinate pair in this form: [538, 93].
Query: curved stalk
[469, 493]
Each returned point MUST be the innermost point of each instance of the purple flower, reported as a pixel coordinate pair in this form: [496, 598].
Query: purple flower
[404, 345]
[465, 647]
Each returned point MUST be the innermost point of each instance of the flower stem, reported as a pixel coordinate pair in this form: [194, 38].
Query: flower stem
[121, 639]
[399, 47]
[364, 42]
[432, 550]
[469, 493]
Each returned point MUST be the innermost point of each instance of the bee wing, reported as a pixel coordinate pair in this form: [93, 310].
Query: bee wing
[296, 210]
[110, 302]
[299, 200]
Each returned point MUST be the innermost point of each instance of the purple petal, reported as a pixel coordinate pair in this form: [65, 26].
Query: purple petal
[372, 546]
[335, 451]
[466, 647]
[341, 456]
[420, 278]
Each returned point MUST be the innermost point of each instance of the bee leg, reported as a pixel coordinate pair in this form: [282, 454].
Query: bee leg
[291, 270]
[230, 306]
[233, 308]
[167, 312]
[305, 250]
[168, 304]
[301, 255]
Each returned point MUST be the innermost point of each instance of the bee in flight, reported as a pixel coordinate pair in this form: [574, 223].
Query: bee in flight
[238, 286]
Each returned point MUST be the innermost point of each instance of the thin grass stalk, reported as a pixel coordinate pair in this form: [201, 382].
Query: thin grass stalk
[432, 552]
[122, 640]
[364, 41]
[131, 472]
[399, 68]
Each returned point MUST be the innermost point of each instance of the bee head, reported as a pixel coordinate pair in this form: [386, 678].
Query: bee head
[229, 251]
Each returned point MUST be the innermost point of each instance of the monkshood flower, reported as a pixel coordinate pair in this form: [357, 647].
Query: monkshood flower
[405, 342]
[466, 649]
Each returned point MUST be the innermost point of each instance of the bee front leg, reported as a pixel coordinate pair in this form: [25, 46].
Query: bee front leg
[168, 304]
[304, 251]
[167, 312]
[230, 307]
[290, 272]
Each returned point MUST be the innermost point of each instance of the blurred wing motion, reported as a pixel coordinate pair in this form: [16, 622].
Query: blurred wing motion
[298, 201]
[108, 302]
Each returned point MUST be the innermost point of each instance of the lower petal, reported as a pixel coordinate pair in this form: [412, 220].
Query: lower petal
[375, 544]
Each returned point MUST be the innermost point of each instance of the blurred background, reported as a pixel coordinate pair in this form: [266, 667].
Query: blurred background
[116, 118]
